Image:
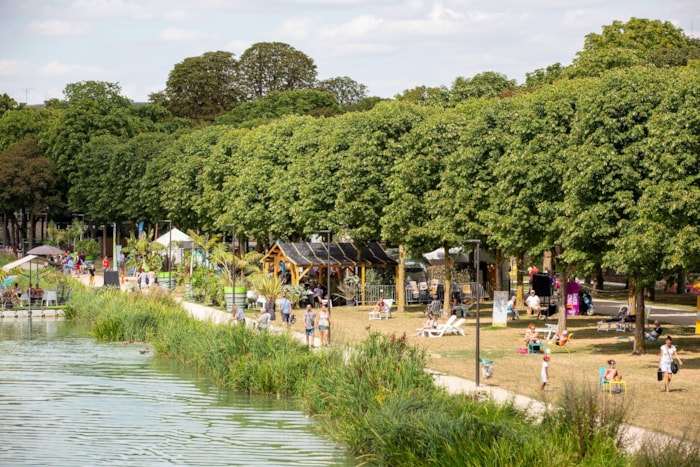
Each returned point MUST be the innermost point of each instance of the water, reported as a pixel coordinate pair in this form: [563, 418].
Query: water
[66, 400]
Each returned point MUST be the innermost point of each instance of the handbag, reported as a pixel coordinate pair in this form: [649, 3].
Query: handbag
[674, 368]
[659, 375]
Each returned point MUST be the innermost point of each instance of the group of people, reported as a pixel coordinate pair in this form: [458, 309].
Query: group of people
[311, 319]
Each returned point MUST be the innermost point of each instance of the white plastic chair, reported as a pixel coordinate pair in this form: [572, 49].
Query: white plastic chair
[48, 297]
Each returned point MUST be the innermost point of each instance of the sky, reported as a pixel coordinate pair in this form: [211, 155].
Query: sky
[387, 45]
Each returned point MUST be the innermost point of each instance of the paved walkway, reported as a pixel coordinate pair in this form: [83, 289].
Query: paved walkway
[454, 385]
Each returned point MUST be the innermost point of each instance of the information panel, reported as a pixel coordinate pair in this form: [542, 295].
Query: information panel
[500, 314]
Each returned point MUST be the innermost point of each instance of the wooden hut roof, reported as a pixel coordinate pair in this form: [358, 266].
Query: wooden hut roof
[306, 254]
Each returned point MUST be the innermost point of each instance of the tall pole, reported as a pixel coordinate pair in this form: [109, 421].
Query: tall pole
[114, 246]
[478, 300]
[328, 274]
[170, 251]
[233, 259]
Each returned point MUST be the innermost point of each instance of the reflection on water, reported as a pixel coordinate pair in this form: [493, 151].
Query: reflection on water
[67, 400]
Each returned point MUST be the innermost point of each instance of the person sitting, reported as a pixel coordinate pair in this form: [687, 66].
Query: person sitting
[16, 291]
[611, 373]
[430, 323]
[37, 293]
[531, 335]
[621, 313]
[379, 307]
[653, 335]
[434, 306]
[510, 309]
[533, 303]
[563, 339]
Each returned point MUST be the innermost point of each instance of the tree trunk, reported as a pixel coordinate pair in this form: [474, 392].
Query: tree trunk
[448, 282]
[401, 280]
[499, 269]
[563, 279]
[639, 322]
[599, 279]
[680, 288]
[519, 284]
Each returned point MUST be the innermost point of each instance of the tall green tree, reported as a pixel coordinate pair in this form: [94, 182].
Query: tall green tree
[346, 90]
[274, 66]
[201, 88]
[486, 84]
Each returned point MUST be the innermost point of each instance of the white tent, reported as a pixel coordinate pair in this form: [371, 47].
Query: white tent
[183, 240]
[438, 256]
[180, 242]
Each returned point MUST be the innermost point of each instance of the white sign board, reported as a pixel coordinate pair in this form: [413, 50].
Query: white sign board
[500, 314]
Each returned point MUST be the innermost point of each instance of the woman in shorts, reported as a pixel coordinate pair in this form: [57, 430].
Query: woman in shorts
[324, 325]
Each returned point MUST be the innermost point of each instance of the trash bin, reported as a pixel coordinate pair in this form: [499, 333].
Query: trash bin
[486, 367]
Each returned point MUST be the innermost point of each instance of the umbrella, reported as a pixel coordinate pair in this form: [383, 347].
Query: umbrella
[45, 250]
[438, 256]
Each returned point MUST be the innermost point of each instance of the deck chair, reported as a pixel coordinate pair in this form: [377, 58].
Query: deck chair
[415, 293]
[434, 286]
[456, 328]
[441, 329]
[554, 345]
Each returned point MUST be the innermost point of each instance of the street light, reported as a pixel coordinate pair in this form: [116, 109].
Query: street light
[170, 246]
[328, 275]
[233, 261]
[478, 299]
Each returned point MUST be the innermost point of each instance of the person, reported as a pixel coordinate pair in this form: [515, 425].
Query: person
[510, 309]
[666, 354]
[531, 335]
[563, 339]
[286, 309]
[379, 307]
[318, 295]
[239, 315]
[270, 307]
[434, 306]
[653, 335]
[430, 323]
[16, 291]
[621, 313]
[122, 261]
[533, 303]
[309, 324]
[324, 325]
[545, 371]
[611, 372]
[91, 271]
[264, 320]
[105, 263]
[142, 279]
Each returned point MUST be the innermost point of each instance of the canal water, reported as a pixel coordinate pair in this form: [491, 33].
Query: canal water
[67, 400]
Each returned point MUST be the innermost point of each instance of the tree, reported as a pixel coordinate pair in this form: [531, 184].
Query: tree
[201, 88]
[274, 66]
[543, 76]
[7, 103]
[346, 90]
[487, 84]
[279, 104]
[424, 95]
[21, 123]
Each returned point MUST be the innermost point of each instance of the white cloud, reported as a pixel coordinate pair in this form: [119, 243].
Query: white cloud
[57, 27]
[83, 72]
[177, 15]
[179, 35]
[113, 8]
[14, 67]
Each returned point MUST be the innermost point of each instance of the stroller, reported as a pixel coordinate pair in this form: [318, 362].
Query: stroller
[586, 303]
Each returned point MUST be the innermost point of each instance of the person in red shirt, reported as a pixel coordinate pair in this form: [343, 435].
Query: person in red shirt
[105, 263]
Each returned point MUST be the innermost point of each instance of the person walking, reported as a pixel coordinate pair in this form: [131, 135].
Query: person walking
[666, 354]
[545, 371]
[286, 310]
[309, 325]
[324, 325]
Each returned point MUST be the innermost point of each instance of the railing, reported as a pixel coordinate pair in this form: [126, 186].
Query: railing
[413, 296]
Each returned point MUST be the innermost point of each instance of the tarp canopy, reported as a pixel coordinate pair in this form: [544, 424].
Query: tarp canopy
[184, 240]
[26, 263]
[438, 256]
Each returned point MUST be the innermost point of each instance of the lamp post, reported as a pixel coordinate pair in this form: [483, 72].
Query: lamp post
[233, 260]
[478, 300]
[170, 246]
[328, 274]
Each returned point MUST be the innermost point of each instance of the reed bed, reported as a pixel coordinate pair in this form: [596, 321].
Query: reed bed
[375, 397]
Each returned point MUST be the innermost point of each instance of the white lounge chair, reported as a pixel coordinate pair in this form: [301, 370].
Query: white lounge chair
[441, 329]
[456, 328]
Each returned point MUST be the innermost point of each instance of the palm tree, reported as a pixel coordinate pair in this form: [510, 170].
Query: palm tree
[204, 242]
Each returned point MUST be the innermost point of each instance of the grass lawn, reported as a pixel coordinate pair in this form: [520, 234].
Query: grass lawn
[652, 408]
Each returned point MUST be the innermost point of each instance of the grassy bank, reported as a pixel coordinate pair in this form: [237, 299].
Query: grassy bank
[374, 397]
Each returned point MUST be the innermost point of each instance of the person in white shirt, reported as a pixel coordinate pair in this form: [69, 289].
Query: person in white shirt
[533, 303]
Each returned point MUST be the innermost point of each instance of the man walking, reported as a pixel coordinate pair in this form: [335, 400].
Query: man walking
[286, 309]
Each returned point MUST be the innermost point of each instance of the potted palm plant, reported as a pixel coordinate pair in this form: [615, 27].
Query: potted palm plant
[348, 289]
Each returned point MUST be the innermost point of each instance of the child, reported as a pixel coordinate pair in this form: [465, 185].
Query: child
[545, 371]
